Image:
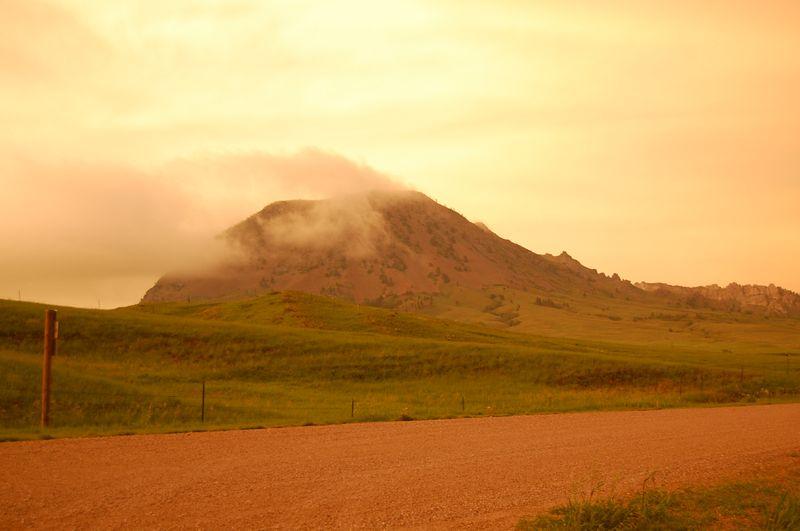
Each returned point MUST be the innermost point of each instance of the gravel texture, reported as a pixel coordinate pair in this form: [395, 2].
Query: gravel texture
[484, 472]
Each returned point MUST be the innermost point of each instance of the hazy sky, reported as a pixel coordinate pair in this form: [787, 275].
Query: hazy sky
[659, 140]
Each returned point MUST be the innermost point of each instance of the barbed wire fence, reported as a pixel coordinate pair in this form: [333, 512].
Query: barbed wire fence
[211, 403]
[195, 406]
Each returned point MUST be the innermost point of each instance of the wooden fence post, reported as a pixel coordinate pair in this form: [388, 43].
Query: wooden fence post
[50, 324]
[203, 404]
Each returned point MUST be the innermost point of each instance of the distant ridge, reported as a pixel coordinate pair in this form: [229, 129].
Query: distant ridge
[733, 297]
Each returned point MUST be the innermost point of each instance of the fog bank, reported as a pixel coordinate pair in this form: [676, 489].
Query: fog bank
[74, 232]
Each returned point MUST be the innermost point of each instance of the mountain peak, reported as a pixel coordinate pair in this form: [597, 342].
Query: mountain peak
[373, 246]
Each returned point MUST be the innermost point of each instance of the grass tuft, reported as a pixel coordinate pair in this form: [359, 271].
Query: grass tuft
[770, 503]
[650, 509]
[786, 515]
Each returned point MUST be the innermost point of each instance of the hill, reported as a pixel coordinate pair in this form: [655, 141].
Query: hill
[403, 250]
[295, 358]
[382, 247]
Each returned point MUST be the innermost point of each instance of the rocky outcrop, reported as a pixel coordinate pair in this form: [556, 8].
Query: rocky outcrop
[770, 299]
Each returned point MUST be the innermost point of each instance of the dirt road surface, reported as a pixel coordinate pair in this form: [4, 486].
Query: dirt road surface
[478, 473]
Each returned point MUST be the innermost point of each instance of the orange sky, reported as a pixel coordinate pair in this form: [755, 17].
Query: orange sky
[659, 140]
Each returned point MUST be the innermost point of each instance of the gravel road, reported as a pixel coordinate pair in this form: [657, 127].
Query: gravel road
[484, 472]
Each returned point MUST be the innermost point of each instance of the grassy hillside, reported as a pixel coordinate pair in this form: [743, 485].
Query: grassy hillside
[618, 318]
[289, 358]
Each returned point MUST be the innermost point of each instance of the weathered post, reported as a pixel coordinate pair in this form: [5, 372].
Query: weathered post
[352, 408]
[50, 331]
[203, 404]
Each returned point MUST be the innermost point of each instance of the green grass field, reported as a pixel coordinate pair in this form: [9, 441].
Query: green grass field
[290, 358]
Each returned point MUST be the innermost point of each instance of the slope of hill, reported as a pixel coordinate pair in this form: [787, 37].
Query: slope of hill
[303, 310]
[507, 316]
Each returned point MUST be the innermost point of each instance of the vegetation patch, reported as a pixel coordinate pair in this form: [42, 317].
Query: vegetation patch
[764, 504]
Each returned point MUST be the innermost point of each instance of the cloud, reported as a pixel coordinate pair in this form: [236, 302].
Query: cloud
[74, 222]
[250, 177]
[348, 224]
